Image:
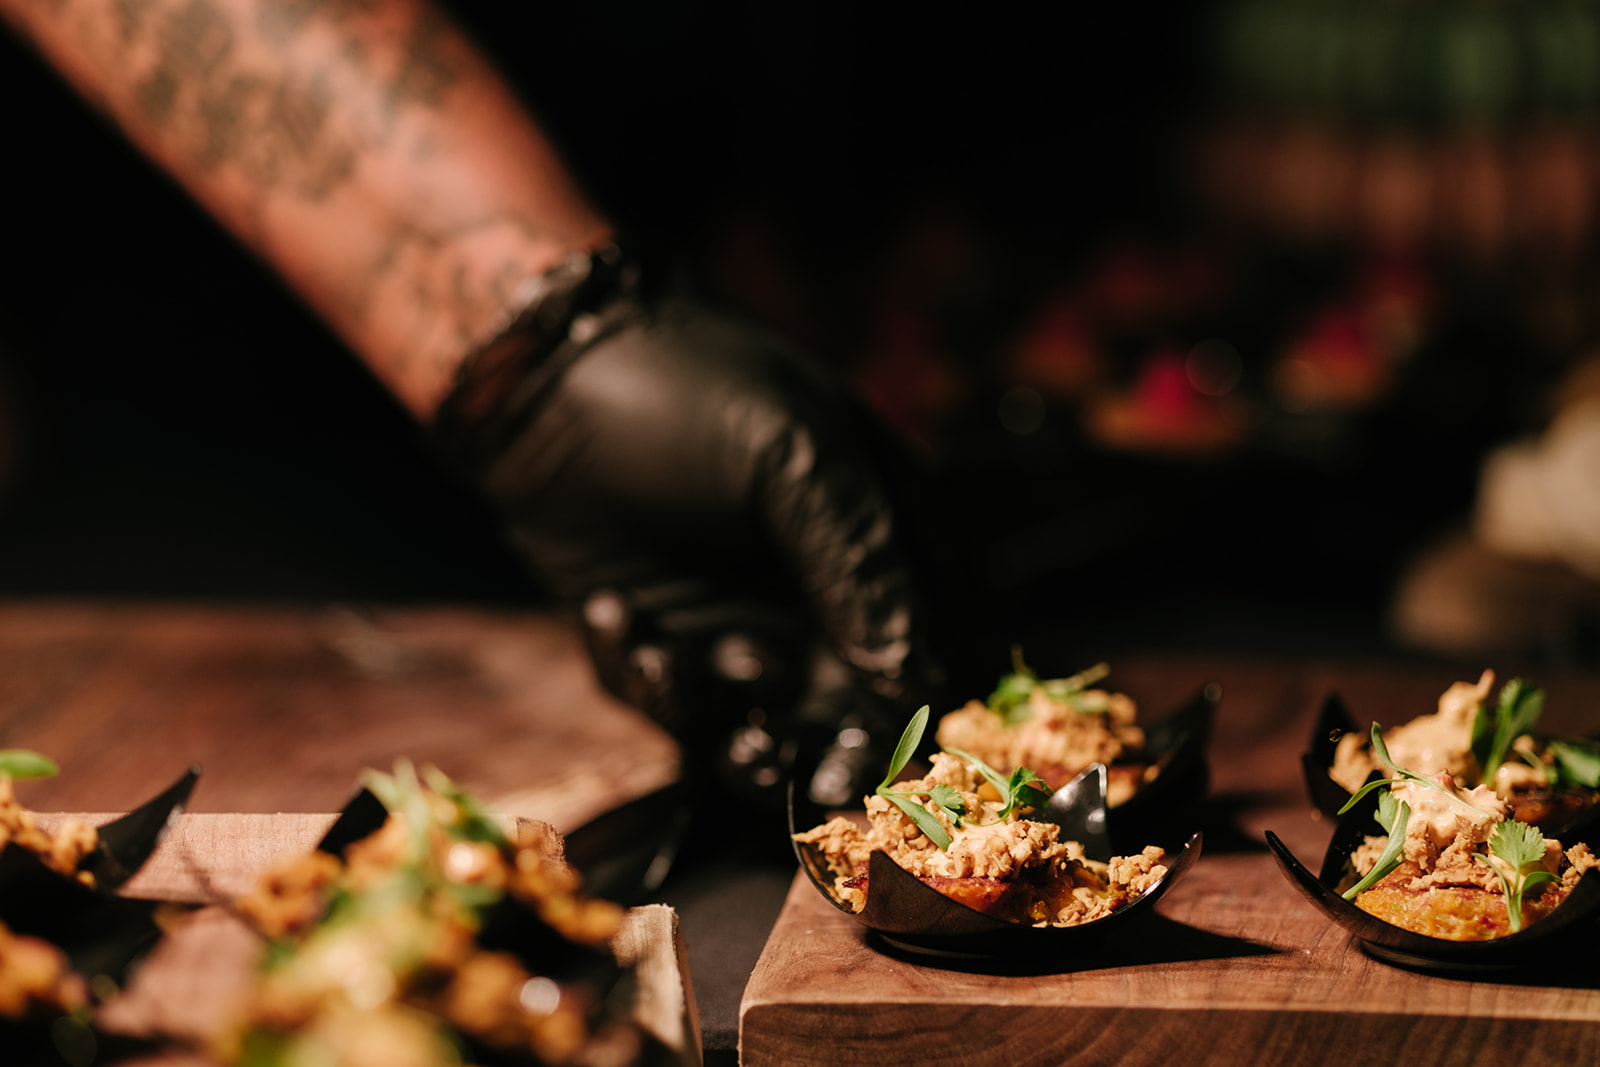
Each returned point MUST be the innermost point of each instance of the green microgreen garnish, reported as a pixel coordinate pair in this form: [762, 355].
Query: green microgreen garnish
[25, 763]
[1494, 732]
[1516, 854]
[1010, 698]
[1392, 815]
[944, 796]
[1023, 789]
[1577, 760]
[1382, 752]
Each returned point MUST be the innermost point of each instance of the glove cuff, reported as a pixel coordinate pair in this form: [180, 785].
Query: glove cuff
[550, 321]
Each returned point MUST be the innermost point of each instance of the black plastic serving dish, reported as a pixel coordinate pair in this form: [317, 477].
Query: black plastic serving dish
[908, 914]
[1538, 943]
[101, 933]
[1166, 805]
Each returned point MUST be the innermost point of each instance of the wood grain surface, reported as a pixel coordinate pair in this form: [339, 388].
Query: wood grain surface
[1235, 968]
[283, 707]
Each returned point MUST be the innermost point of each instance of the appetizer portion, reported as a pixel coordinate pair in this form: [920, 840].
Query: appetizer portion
[1452, 862]
[36, 980]
[1058, 726]
[963, 830]
[61, 851]
[1544, 779]
[435, 940]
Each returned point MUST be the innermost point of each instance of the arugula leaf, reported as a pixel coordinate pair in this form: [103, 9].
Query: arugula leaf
[1026, 790]
[1392, 815]
[1382, 752]
[1010, 698]
[1493, 734]
[1577, 760]
[1516, 853]
[25, 763]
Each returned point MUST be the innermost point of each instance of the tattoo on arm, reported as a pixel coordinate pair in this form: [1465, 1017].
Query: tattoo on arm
[312, 128]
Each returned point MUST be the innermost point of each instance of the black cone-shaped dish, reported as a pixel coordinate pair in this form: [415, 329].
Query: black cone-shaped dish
[101, 933]
[1333, 722]
[909, 914]
[1538, 943]
[1177, 745]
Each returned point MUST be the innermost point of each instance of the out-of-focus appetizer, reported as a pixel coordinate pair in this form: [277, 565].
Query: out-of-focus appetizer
[434, 940]
[36, 980]
[1545, 780]
[964, 829]
[63, 934]
[61, 851]
[1452, 862]
[1057, 726]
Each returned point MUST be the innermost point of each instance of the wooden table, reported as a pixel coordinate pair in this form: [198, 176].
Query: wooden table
[283, 707]
[1236, 968]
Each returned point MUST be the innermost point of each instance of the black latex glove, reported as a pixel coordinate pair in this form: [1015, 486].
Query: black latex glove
[719, 508]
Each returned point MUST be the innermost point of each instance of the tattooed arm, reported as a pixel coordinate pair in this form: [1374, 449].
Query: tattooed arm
[364, 148]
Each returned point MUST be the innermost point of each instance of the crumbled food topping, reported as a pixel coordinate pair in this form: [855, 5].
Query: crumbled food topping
[61, 851]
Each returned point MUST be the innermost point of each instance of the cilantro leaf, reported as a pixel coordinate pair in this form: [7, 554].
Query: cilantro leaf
[1026, 790]
[948, 797]
[25, 763]
[1516, 854]
[1393, 815]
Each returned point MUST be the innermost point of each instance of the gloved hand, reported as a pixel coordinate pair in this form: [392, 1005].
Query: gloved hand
[718, 507]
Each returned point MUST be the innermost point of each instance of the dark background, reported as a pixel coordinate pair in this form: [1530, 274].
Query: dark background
[180, 427]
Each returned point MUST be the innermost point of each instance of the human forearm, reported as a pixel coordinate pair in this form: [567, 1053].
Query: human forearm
[366, 150]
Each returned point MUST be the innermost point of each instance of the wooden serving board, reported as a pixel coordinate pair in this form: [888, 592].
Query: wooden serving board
[1235, 968]
[283, 707]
